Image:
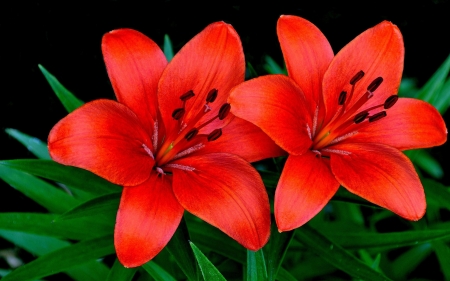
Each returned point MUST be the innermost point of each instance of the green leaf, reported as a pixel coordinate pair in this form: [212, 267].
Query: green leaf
[70, 176]
[40, 245]
[157, 272]
[443, 255]
[106, 204]
[209, 271]
[45, 194]
[167, 48]
[119, 273]
[44, 224]
[387, 240]
[34, 145]
[180, 249]
[443, 102]
[63, 259]
[409, 260]
[345, 196]
[250, 72]
[336, 255]
[430, 92]
[256, 266]
[276, 249]
[437, 194]
[426, 162]
[69, 101]
[272, 67]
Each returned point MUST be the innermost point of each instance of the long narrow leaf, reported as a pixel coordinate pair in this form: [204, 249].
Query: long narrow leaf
[47, 195]
[443, 255]
[106, 204]
[71, 176]
[431, 90]
[63, 259]
[69, 101]
[209, 271]
[336, 255]
[276, 250]
[157, 272]
[119, 273]
[167, 48]
[256, 266]
[180, 249]
[408, 261]
[44, 224]
[34, 145]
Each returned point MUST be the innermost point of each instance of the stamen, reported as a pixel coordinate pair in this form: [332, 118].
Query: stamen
[375, 84]
[390, 101]
[212, 95]
[189, 150]
[181, 167]
[189, 94]
[341, 138]
[337, 151]
[192, 133]
[377, 116]
[342, 98]
[178, 113]
[358, 76]
[149, 152]
[214, 135]
[155, 135]
[224, 110]
[360, 117]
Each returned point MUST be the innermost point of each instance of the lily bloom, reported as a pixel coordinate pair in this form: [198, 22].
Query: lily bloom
[171, 141]
[341, 122]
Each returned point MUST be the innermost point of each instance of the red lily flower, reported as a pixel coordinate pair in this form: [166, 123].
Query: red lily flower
[341, 122]
[171, 142]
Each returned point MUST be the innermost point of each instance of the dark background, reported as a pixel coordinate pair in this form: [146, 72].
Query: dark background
[65, 36]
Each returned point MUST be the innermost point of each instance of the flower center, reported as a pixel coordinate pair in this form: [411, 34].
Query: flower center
[188, 138]
[348, 120]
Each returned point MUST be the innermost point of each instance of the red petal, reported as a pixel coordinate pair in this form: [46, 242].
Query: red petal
[213, 59]
[381, 174]
[305, 187]
[409, 124]
[244, 139]
[147, 218]
[106, 138]
[379, 52]
[227, 192]
[275, 104]
[307, 54]
[135, 64]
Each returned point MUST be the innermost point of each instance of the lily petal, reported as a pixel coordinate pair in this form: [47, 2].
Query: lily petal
[305, 187]
[244, 139]
[275, 104]
[147, 218]
[106, 138]
[307, 54]
[381, 174]
[227, 192]
[135, 64]
[213, 59]
[409, 124]
[379, 52]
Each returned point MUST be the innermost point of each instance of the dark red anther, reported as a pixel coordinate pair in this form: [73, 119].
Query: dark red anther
[358, 76]
[375, 84]
[224, 110]
[178, 113]
[192, 133]
[212, 95]
[214, 135]
[342, 98]
[390, 101]
[377, 116]
[189, 94]
[360, 117]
